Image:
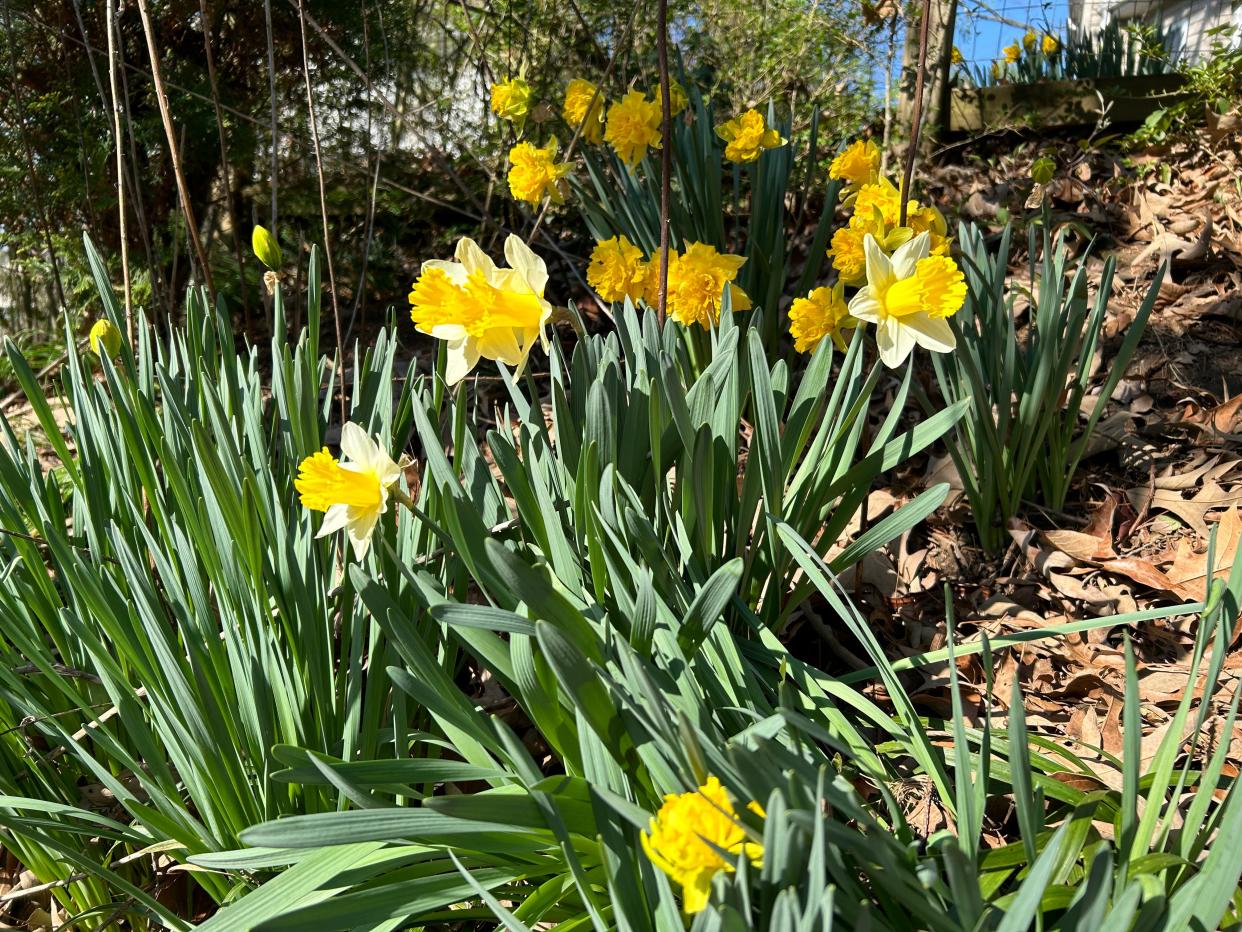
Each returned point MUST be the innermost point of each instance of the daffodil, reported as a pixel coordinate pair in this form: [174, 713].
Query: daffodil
[511, 100]
[619, 270]
[822, 313]
[633, 127]
[997, 71]
[747, 136]
[857, 165]
[266, 247]
[1013, 53]
[1050, 45]
[1028, 42]
[879, 203]
[535, 174]
[877, 212]
[584, 107]
[678, 99]
[105, 338]
[908, 298]
[352, 493]
[480, 310]
[684, 837]
[956, 56]
[847, 254]
[697, 280]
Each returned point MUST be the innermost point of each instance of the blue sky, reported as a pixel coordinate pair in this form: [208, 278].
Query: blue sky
[981, 39]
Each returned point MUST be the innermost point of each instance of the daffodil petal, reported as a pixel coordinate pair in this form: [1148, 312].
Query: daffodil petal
[906, 257]
[461, 357]
[931, 333]
[522, 259]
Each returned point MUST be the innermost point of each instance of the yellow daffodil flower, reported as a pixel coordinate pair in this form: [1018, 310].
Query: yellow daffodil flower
[1050, 45]
[908, 298]
[822, 313]
[678, 99]
[619, 270]
[584, 107]
[511, 100]
[1013, 53]
[633, 126]
[997, 71]
[680, 839]
[846, 252]
[857, 165]
[480, 310]
[105, 338]
[696, 282]
[747, 136]
[877, 212]
[956, 56]
[1028, 41]
[535, 174]
[354, 493]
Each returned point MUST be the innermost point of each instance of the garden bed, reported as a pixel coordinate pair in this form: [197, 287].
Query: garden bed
[1053, 104]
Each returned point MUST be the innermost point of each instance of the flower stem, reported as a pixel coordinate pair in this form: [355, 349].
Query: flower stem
[666, 152]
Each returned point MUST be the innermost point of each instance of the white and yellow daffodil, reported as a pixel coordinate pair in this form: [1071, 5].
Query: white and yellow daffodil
[480, 310]
[353, 493]
[909, 298]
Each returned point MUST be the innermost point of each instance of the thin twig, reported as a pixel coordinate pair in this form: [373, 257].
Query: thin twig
[323, 209]
[598, 95]
[110, 16]
[166, 116]
[225, 171]
[271, 90]
[666, 153]
[159, 294]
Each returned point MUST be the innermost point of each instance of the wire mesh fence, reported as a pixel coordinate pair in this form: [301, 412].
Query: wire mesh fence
[1023, 40]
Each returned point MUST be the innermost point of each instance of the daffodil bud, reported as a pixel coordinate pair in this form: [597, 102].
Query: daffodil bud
[105, 338]
[1043, 169]
[265, 246]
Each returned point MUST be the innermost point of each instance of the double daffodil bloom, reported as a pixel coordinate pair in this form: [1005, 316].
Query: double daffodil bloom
[619, 270]
[857, 165]
[682, 834]
[584, 107]
[354, 493]
[512, 99]
[697, 280]
[746, 137]
[908, 297]
[633, 126]
[535, 174]
[822, 313]
[480, 310]
[877, 211]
